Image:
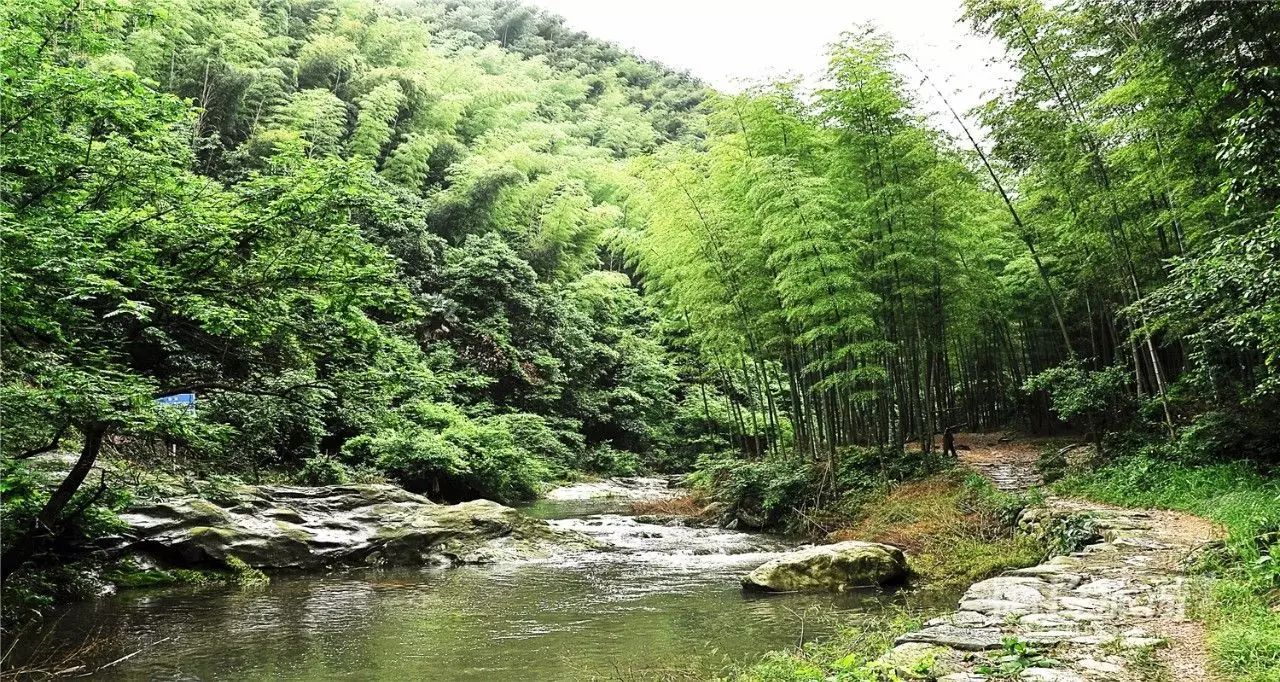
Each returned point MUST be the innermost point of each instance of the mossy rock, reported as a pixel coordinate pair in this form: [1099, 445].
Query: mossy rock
[840, 566]
[297, 527]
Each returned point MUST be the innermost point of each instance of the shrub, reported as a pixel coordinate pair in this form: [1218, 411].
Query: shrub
[784, 488]
[560, 446]
[767, 489]
[52, 577]
[464, 458]
[323, 470]
[607, 460]
[497, 466]
[418, 460]
[1098, 399]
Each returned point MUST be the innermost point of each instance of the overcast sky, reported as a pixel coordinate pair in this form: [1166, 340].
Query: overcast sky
[731, 42]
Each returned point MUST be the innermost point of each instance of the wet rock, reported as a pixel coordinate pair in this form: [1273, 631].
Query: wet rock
[963, 639]
[630, 488]
[296, 527]
[839, 566]
[747, 519]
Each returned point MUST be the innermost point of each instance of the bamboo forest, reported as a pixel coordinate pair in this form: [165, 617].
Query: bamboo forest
[442, 340]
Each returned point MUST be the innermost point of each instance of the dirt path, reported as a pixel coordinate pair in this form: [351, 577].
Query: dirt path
[1115, 610]
[1009, 463]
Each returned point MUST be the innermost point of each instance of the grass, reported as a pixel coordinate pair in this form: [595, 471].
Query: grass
[849, 654]
[692, 505]
[1241, 606]
[955, 529]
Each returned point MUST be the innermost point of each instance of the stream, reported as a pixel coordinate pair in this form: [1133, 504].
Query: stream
[666, 604]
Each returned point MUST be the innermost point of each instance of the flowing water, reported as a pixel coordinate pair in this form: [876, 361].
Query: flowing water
[665, 605]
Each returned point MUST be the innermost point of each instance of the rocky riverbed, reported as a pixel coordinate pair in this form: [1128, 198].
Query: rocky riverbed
[274, 527]
[663, 601]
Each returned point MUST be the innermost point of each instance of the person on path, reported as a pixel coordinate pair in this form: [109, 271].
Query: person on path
[949, 441]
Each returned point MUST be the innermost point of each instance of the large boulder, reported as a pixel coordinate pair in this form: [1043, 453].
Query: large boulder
[295, 527]
[840, 566]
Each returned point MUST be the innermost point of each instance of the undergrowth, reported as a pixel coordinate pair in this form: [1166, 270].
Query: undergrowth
[955, 528]
[850, 653]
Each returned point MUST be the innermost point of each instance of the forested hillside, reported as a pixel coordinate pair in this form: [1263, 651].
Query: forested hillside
[460, 247]
[364, 237]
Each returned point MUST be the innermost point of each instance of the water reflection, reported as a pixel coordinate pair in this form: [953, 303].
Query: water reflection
[666, 605]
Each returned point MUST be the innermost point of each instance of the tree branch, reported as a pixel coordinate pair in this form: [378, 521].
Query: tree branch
[52, 444]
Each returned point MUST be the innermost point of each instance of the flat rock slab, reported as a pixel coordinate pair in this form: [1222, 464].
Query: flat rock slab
[298, 527]
[1019, 589]
[962, 639]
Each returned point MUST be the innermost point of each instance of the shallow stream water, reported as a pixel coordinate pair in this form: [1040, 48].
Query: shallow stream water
[665, 605]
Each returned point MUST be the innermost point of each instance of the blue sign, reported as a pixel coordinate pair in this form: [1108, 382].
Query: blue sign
[187, 400]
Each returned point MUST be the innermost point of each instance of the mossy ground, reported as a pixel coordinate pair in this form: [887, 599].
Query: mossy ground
[129, 574]
[955, 528]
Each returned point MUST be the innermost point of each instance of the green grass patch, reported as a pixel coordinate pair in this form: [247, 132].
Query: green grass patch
[849, 654]
[1241, 604]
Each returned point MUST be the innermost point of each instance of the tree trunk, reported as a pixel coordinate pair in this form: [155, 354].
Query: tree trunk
[45, 523]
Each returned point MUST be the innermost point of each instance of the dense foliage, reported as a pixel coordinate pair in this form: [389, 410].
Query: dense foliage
[365, 237]
[850, 275]
[458, 246]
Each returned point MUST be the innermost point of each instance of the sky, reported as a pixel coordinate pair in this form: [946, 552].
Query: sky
[729, 43]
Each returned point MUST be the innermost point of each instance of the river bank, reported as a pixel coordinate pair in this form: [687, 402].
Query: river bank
[590, 583]
[1114, 600]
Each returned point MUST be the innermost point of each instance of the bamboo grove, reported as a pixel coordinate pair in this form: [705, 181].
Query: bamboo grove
[833, 258]
[852, 275]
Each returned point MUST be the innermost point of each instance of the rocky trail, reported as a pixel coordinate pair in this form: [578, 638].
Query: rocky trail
[1114, 610]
